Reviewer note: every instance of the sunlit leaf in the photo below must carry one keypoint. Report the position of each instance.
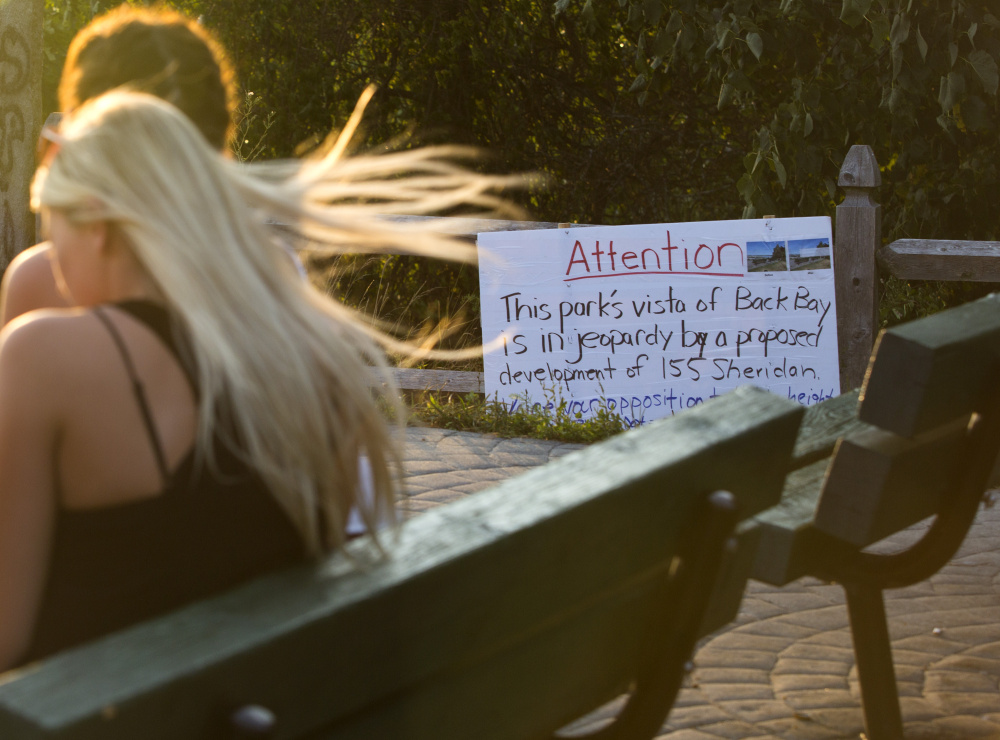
(724, 35)
(880, 30)
(921, 45)
(740, 81)
(675, 22)
(986, 68)
(900, 30)
(779, 170)
(653, 10)
(756, 44)
(725, 95)
(663, 43)
(746, 187)
(895, 99)
(975, 114)
(853, 11)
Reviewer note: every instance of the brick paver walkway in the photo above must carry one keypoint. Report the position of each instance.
(785, 669)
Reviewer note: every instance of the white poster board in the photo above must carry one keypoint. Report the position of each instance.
(648, 320)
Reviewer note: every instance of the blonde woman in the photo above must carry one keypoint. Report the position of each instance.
(197, 417)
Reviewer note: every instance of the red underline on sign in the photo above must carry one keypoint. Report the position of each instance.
(655, 272)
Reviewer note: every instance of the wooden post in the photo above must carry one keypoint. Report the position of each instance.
(20, 120)
(857, 235)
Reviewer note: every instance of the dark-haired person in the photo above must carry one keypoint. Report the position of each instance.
(155, 50)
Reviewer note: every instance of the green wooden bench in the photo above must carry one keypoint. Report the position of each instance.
(505, 615)
(920, 440)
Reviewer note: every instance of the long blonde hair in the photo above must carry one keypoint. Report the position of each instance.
(285, 374)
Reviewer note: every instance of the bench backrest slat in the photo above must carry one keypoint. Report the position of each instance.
(500, 599)
(880, 482)
(904, 453)
(867, 468)
(932, 371)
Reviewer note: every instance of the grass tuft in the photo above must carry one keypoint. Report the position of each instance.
(475, 413)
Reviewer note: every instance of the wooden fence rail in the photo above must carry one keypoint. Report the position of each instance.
(937, 259)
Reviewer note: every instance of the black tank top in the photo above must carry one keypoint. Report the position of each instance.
(206, 532)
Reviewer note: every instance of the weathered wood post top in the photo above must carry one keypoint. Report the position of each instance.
(857, 235)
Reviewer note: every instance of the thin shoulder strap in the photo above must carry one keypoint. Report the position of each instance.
(140, 393)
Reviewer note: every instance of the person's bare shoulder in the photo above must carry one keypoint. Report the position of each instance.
(29, 284)
(53, 350)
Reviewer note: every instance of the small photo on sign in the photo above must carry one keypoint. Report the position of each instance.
(766, 257)
(809, 254)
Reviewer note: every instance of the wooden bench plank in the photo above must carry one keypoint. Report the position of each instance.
(565, 547)
(932, 371)
(880, 483)
(822, 425)
(787, 529)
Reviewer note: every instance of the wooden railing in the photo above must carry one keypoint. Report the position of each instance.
(938, 259)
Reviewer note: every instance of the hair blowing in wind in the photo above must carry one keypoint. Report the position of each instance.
(283, 372)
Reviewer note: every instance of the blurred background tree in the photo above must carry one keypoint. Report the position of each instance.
(917, 81)
(535, 90)
(637, 110)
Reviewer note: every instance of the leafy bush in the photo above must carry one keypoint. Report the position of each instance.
(806, 79)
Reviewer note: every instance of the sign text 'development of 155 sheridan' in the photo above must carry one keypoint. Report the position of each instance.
(648, 320)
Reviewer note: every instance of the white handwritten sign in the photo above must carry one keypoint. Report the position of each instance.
(648, 320)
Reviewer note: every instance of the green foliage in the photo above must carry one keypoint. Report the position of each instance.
(61, 19)
(537, 91)
(473, 413)
(903, 301)
(428, 301)
(807, 79)
(642, 110)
